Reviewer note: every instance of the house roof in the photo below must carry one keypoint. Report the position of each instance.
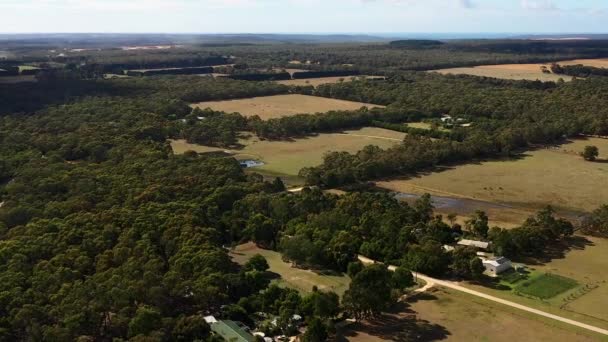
(496, 261)
(474, 243)
(230, 331)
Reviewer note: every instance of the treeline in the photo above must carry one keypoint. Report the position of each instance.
(329, 73)
(578, 70)
(508, 116)
(531, 238)
(171, 71)
(415, 43)
(266, 76)
(305, 124)
(432, 133)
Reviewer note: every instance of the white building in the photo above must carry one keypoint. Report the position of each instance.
(474, 243)
(496, 266)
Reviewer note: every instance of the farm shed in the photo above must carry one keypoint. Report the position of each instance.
(230, 331)
(496, 266)
(474, 243)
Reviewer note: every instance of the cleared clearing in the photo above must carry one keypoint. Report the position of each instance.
(289, 157)
(296, 278)
(530, 72)
(325, 80)
(445, 314)
(557, 176)
(269, 107)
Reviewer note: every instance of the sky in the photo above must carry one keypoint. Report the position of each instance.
(304, 16)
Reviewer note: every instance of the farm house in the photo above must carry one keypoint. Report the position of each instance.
(496, 266)
(474, 243)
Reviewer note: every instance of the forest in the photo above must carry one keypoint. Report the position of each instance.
(107, 235)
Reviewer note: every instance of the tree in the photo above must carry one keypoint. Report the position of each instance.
(369, 292)
(595, 224)
(190, 328)
(321, 304)
(354, 267)
(257, 263)
(478, 224)
(263, 230)
(477, 268)
(452, 218)
(402, 278)
(146, 320)
(316, 331)
(590, 153)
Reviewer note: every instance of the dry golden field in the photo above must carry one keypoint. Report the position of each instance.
(557, 176)
(289, 157)
(507, 71)
(268, 107)
(448, 315)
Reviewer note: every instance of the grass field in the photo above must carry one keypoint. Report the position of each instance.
(289, 157)
(598, 63)
(556, 176)
(268, 107)
(299, 279)
(323, 80)
(445, 314)
(545, 285)
(507, 71)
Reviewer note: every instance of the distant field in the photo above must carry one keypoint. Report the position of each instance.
(299, 279)
(507, 71)
(556, 176)
(268, 107)
(598, 63)
(323, 80)
(289, 157)
(448, 315)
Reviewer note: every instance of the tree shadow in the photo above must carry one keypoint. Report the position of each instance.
(399, 324)
(558, 250)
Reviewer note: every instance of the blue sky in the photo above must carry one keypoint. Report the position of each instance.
(304, 16)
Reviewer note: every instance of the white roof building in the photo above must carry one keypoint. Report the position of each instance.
(210, 319)
(474, 243)
(496, 266)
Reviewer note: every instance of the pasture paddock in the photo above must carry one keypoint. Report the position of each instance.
(288, 157)
(269, 107)
(449, 315)
(530, 72)
(296, 278)
(555, 176)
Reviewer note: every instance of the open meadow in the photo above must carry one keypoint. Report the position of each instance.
(288, 157)
(296, 278)
(268, 107)
(530, 72)
(445, 314)
(555, 176)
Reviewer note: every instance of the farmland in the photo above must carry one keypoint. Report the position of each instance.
(445, 314)
(324, 80)
(268, 107)
(299, 279)
(530, 72)
(289, 157)
(597, 63)
(555, 176)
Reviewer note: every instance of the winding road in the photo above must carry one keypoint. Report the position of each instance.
(456, 286)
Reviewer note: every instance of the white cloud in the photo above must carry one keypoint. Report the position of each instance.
(539, 5)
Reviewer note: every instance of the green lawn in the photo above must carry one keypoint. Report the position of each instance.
(545, 286)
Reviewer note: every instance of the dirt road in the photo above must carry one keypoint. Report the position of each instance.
(456, 286)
